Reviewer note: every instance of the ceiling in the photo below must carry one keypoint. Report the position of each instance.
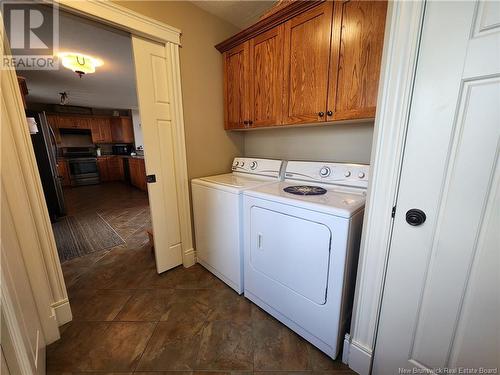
(111, 86)
(241, 13)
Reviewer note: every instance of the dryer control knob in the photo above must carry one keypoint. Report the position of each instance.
(253, 165)
(242, 164)
(361, 175)
(347, 173)
(236, 163)
(325, 172)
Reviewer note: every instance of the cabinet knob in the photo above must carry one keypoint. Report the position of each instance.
(321, 114)
(329, 113)
(245, 122)
(250, 122)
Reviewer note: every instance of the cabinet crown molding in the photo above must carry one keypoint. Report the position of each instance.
(273, 20)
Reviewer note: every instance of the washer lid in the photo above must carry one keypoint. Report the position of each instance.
(338, 200)
(234, 181)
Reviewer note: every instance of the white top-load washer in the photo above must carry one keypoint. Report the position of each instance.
(301, 245)
(217, 215)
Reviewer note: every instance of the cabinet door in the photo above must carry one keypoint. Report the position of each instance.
(236, 87)
(357, 42)
(105, 128)
(127, 130)
(102, 165)
(95, 131)
(266, 78)
(307, 55)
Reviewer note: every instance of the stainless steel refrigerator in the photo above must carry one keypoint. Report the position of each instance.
(45, 147)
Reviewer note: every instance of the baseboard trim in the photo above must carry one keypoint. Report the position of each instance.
(62, 311)
(357, 357)
(189, 258)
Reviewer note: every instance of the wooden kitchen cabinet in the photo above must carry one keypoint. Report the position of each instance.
(101, 130)
(138, 173)
(236, 86)
(115, 168)
(122, 130)
(110, 168)
(266, 69)
(356, 56)
(102, 166)
(307, 55)
(63, 172)
(321, 58)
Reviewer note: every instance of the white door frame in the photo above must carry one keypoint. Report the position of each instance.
(401, 45)
(44, 269)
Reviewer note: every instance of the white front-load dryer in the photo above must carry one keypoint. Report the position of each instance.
(301, 243)
(217, 204)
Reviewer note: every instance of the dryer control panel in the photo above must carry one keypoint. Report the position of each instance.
(263, 167)
(344, 174)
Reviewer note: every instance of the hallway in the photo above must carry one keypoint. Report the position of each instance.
(128, 319)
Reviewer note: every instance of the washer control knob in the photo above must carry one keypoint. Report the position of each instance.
(347, 173)
(361, 175)
(242, 164)
(253, 165)
(325, 172)
(236, 163)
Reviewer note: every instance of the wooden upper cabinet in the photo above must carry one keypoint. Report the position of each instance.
(357, 41)
(266, 82)
(236, 87)
(307, 55)
(122, 130)
(322, 58)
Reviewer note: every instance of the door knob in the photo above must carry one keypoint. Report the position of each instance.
(321, 114)
(415, 217)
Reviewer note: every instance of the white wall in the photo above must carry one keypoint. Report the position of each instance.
(136, 120)
(331, 142)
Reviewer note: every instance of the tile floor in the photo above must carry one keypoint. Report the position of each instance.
(127, 319)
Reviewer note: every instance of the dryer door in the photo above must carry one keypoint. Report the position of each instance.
(293, 251)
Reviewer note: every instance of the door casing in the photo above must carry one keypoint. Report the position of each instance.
(51, 292)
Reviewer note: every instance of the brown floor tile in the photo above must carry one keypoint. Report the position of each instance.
(146, 305)
(99, 305)
(226, 304)
(173, 346)
(188, 305)
(72, 349)
(226, 345)
(319, 361)
(277, 348)
(169, 324)
(120, 348)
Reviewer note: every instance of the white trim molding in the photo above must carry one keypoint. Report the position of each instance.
(21, 184)
(402, 36)
(123, 18)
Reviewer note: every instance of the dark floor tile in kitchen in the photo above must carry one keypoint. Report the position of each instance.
(99, 305)
(277, 348)
(226, 345)
(146, 305)
(173, 346)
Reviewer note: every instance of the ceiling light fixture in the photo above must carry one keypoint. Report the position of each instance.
(79, 63)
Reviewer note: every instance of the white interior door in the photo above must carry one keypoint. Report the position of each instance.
(441, 302)
(154, 80)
